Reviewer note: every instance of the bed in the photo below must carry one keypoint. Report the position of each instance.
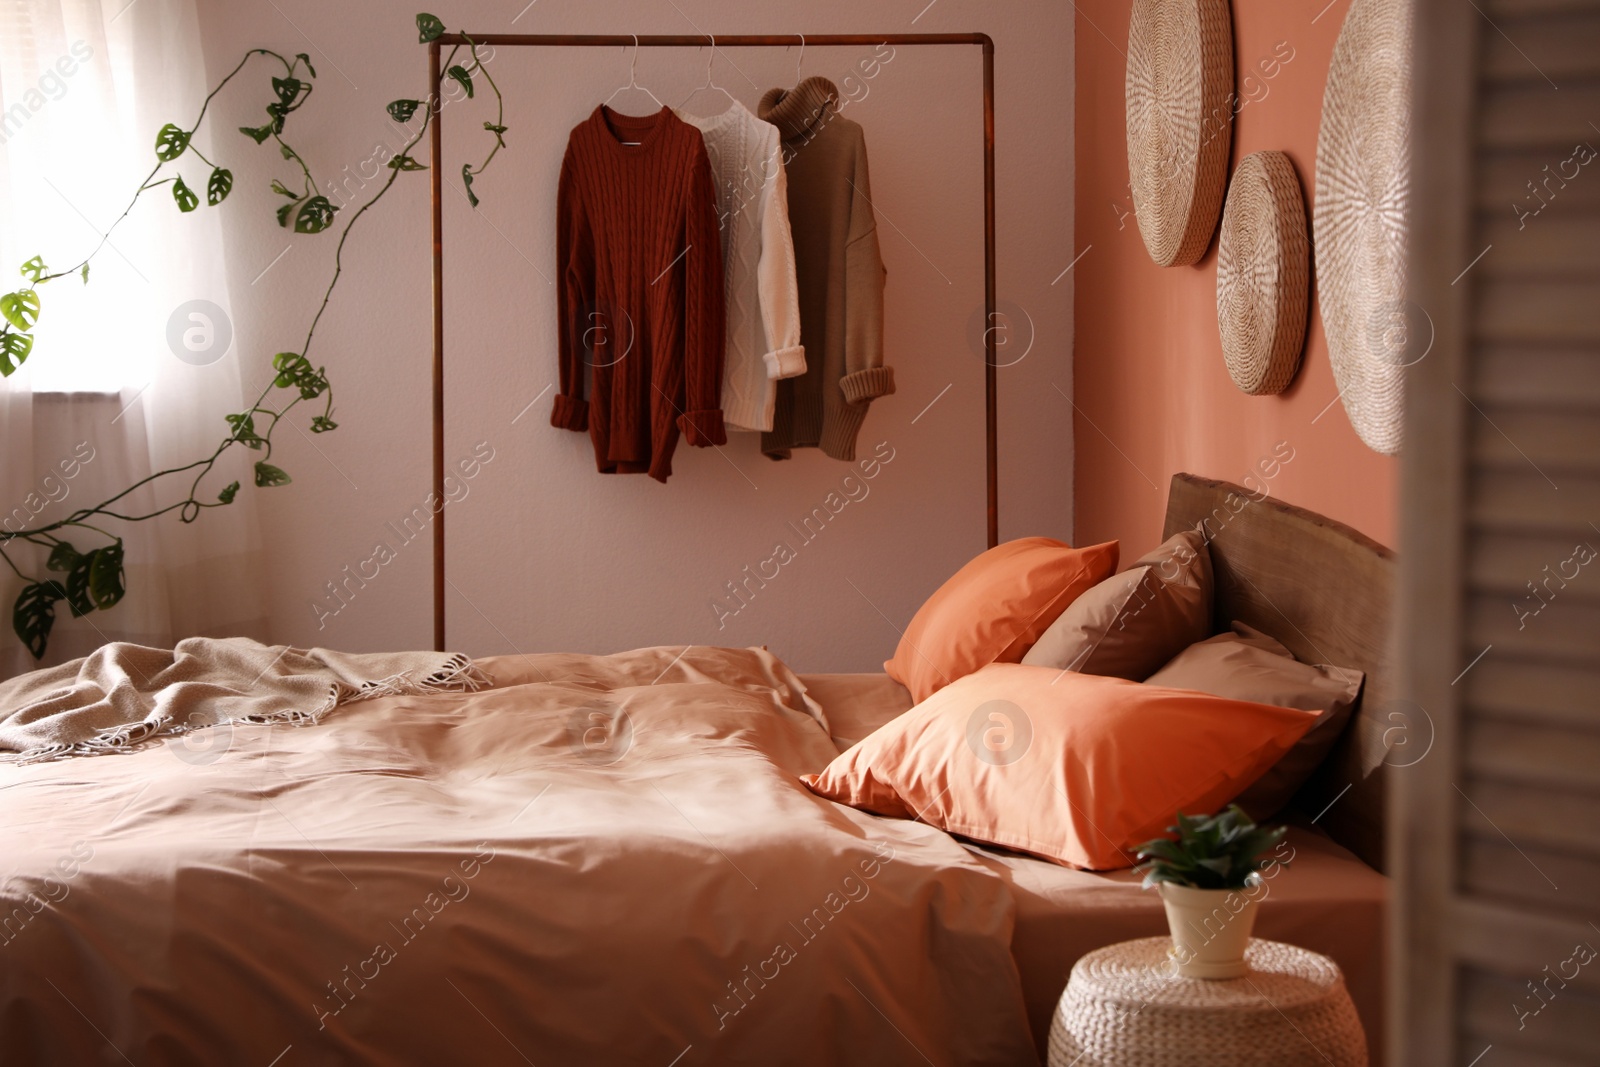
(612, 858)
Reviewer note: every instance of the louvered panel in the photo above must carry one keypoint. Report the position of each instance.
(1561, 629)
(1531, 692)
(1562, 1032)
(1558, 240)
(1512, 476)
(1506, 563)
(1536, 310)
(1492, 868)
(1556, 45)
(1559, 182)
(1554, 441)
(1521, 500)
(1532, 115)
(1556, 819)
(1544, 756)
(1551, 378)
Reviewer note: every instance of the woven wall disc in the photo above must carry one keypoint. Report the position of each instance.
(1361, 213)
(1180, 123)
(1263, 274)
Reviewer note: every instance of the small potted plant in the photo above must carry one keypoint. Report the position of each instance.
(1209, 880)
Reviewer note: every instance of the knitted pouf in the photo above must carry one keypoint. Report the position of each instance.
(1126, 1006)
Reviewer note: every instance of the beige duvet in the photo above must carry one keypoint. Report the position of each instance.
(600, 860)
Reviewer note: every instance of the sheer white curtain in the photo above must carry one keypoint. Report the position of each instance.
(129, 373)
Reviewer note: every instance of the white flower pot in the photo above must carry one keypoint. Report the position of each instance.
(1210, 929)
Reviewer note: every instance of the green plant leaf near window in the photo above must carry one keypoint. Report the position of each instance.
(268, 476)
(184, 196)
(287, 89)
(314, 216)
(219, 186)
(21, 308)
(33, 615)
(429, 28)
(94, 578)
(171, 142)
(14, 348)
(402, 110)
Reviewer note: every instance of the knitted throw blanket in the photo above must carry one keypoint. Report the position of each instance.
(125, 696)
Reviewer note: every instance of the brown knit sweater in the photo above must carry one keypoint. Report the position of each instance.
(840, 272)
(641, 291)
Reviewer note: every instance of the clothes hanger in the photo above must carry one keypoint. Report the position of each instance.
(709, 83)
(799, 59)
(633, 83)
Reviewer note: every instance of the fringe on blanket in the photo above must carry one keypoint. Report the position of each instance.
(458, 675)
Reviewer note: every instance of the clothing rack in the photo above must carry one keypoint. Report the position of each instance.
(512, 40)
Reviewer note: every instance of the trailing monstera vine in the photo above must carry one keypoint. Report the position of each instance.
(88, 575)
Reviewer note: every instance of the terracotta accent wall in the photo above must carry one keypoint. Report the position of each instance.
(1152, 394)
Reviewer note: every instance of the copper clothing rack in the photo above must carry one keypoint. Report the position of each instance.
(698, 41)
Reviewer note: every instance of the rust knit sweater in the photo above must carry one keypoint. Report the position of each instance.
(640, 292)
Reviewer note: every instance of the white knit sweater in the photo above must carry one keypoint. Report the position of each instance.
(763, 297)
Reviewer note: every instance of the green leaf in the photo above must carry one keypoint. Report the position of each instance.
(492, 128)
(285, 151)
(459, 73)
(284, 212)
(302, 57)
(402, 110)
(171, 142)
(78, 598)
(20, 308)
(258, 134)
(429, 28)
(403, 162)
(466, 178)
(287, 89)
(278, 112)
(289, 366)
(85, 272)
(314, 216)
(244, 430)
(323, 424)
(106, 579)
(34, 614)
(184, 196)
(268, 476)
(283, 190)
(63, 557)
(229, 491)
(220, 185)
(14, 349)
(35, 269)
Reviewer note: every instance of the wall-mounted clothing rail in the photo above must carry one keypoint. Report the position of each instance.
(982, 40)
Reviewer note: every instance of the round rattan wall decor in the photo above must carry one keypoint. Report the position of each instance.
(1361, 213)
(1263, 274)
(1180, 123)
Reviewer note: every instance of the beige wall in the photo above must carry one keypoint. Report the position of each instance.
(544, 552)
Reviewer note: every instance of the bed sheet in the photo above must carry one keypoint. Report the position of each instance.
(1326, 899)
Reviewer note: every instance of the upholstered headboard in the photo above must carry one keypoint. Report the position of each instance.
(1326, 591)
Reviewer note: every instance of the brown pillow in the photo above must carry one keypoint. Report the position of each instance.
(1246, 664)
(1133, 622)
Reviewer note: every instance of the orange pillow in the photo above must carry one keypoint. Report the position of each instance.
(1077, 768)
(994, 609)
